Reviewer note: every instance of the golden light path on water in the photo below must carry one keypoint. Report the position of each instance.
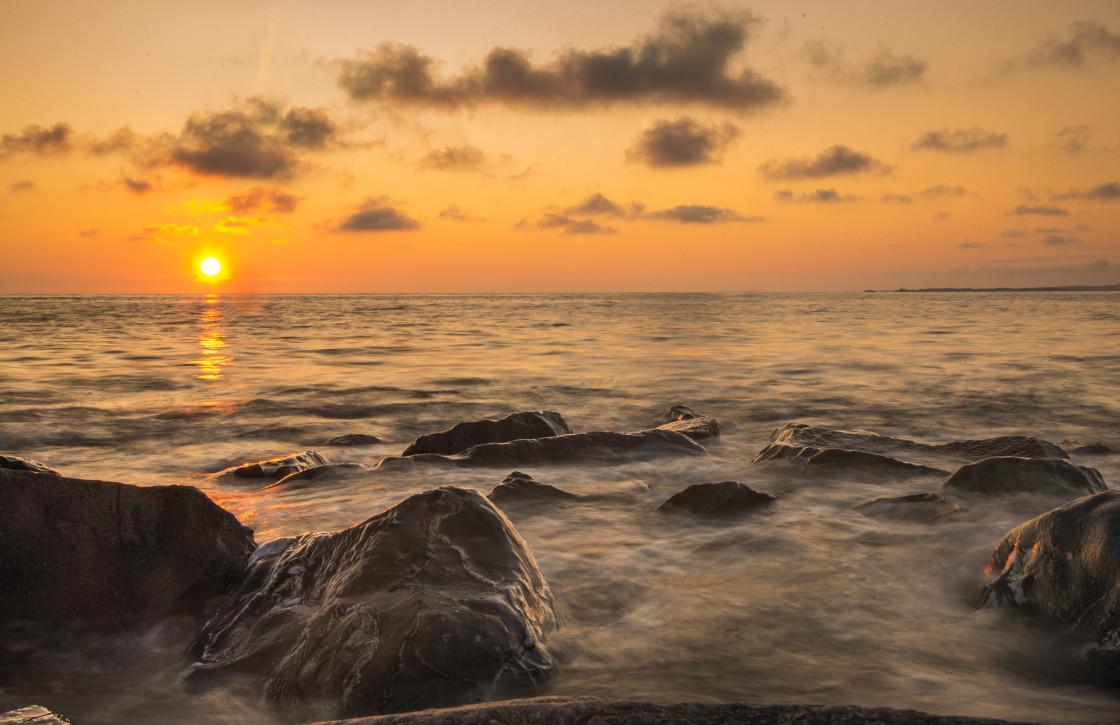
(212, 341)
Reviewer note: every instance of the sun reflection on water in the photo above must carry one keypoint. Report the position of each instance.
(212, 341)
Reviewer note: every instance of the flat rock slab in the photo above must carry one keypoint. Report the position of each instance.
(272, 469)
(109, 553)
(593, 711)
(727, 499)
(1010, 474)
(850, 461)
(15, 463)
(32, 715)
(923, 508)
(521, 488)
(434, 602)
(529, 424)
(317, 475)
(682, 419)
(354, 439)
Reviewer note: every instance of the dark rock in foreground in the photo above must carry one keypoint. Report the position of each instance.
(923, 508)
(15, 463)
(274, 468)
(435, 602)
(849, 461)
(536, 424)
(1065, 565)
(1009, 474)
(354, 439)
(716, 500)
(599, 446)
(110, 553)
(593, 711)
(520, 487)
(682, 419)
(32, 715)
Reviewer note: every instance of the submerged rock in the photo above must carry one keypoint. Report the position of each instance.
(1010, 474)
(15, 463)
(536, 424)
(592, 710)
(520, 487)
(849, 461)
(434, 602)
(109, 553)
(1065, 565)
(321, 474)
(274, 468)
(354, 439)
(682, 419)
(923, 508)
(599, 446)
(1095, 449)
(716, 500)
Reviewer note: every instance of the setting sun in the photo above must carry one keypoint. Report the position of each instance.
(211, 266)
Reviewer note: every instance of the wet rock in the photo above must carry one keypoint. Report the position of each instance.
(536, 424)
(354, 439)
(599, 446)
(318, 474)
(1065, 565)
(571, 710)
(15, 463)
(716, 500)
(32, 715)
(518, 488)
(849, 461)
(1096, 449)
(108, 553)
(682, 419)
(1010, 474)
(923, 508)
(434, 602)
(274, 468)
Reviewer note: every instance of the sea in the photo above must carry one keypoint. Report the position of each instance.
(807, 602)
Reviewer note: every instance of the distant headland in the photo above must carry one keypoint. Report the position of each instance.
(1067, 288)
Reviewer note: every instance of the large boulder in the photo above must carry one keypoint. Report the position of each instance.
(272, 469)
(1011, 474)
(726, 499)
(1065, 565)
(521, 488)
(15, 463)
(535, 424)
(842, 459)
(682, 419)
(434, 602)
(109, 553)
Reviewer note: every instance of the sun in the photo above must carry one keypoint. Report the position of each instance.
(211, 266)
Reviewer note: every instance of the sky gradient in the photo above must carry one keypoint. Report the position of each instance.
(506, 146)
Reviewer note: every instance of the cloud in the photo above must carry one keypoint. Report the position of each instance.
(454, 158)
(155, 232)
(690, 58)
(820, 196)
(1058, 240)
(1073, 139)
(597, 204)
(261, 199)
(942, 191)
(307, 128)
(240, 225)
(882, 70)
(973, 245)
(123, 139)
(375, 215)
(1039, 209)
(699, 214)
(683, 142)
(1103, 192)
(959, 140)
(1013, 233)
(455, 214)
(830, 162)
(20, 187)
(38, 141)
(574, 226)
(1085, 39)
(892, 198)
(137, 186)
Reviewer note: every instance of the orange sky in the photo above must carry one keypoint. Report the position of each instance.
(589, 146)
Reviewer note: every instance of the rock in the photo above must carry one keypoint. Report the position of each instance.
(1010, 474)
(682, 419)
(799, 434)
(1065, 565)
(856, 462)
(110, 553)
(520, 487)
(321, 474)
(599, 446)
(274, 468)
(15, 463)
(594, 711)
(538, 424)
(716, 500)
(923, 508)
(434, 602)
(354, 439)
(1096, 449)
(32, 715)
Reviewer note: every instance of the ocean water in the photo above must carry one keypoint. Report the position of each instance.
(808, 602)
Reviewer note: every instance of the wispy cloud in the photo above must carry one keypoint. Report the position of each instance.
(1038, 209)
(1074, 139)
(884, 69)
(376, 215)
(454, 158)
(573, 226)
(1103, 192)
(699, 214)
(38, 141)
(959, 140)
(597, 204)
(683, 142)
(1082, 42)
(261, 199)
(833, 161)
(455, 214)
(820, 196)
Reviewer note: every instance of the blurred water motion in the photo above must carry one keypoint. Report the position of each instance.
(212, 341)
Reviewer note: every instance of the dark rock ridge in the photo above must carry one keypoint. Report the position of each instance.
(109, 553)
(716, 500)
(15, 463)
(591, 710)
(799, 434)
(536, 424)
(682, 419)
(598, 446)
(434, 602)
(520, 487)
(274, 468)
(354, 439)
(1065, 565)
(923, 508)
(862, 462)
(1010, 474)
